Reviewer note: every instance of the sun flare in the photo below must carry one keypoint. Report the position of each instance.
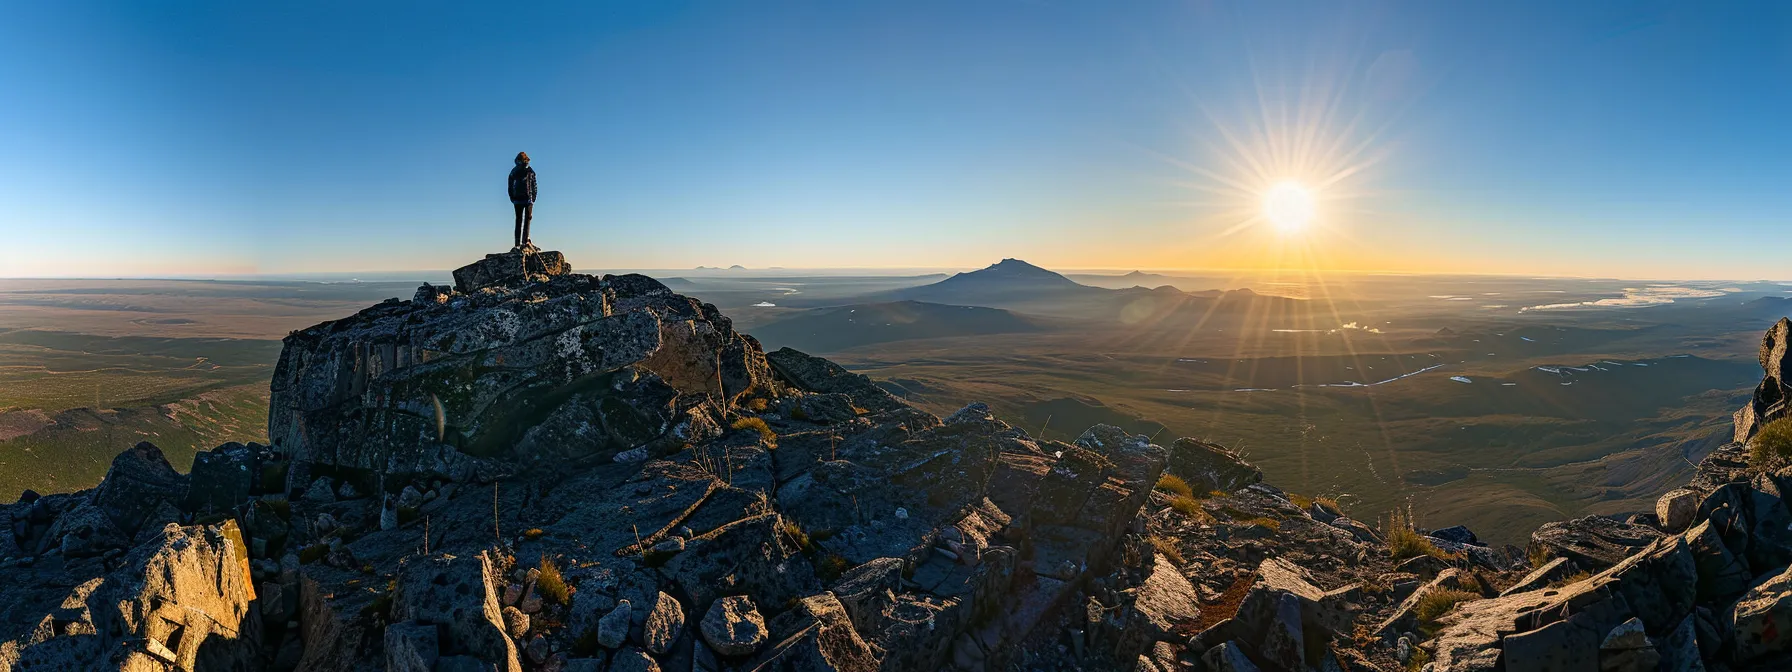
(1288, 206)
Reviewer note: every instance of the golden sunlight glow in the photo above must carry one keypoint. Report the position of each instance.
(1288, 206)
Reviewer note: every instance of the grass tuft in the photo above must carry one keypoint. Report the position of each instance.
(533, 533)
(1404, 540)
(550, 583)
(1174, 485)
(1772, 447)
(1166, 547)
(758, 425)
(797, 535)
(831, 567)
(1191, 507)
(1433, 605)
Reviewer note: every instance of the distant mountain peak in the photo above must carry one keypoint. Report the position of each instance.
(1016, 269)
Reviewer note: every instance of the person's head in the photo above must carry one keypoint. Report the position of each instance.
(522, 158)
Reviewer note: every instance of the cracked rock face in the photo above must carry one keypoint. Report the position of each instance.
(415, 387)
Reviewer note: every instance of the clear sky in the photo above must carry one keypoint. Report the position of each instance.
(1622, 139)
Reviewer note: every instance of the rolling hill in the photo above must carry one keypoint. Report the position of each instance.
(842, 327)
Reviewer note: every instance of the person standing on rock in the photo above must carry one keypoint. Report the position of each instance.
(522, 196)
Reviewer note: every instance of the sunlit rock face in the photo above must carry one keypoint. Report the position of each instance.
(435, 384)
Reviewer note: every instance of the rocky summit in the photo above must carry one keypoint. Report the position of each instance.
(536, 469)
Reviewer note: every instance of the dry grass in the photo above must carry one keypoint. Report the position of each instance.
(757, 405)
(1174, 485)
(533, 533)
(1404, 540)
(1191, 507)
(758, 425)
(1166, 547)
(1418, 660)
(1301, 502)
(1772, 446)
(797, 535)
(831, 567)
(1538, 555)
(550, 583)
(1433, 605)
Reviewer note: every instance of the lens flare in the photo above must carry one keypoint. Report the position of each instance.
(1288, 206)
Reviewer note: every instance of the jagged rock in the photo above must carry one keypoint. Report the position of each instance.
(390, 368)
(1210, 466)
(1405, 616)
(1627, 649)
(665, 622)
(1771, 395)
(733, 626)
(139, 481)
(509, 268)
(822, 640)
(1282, 606)
(459, 594)
(1555, 569)
(1759, 619)
(538, 650)
(1228, 657)
(1456, 535)
(516, 623)
(815, 374)
(1564, 627)
(1675, 510)
(320, 492)
(612, 629)
(411, 647)
(184, 599)
(222, 477)
(83, 531)
(1166, 602)
(865, 591)
(1593, 542)
(633, 660)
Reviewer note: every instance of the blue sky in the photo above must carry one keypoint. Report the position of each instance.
(1583, 138)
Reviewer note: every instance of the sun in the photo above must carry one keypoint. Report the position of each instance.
(1288, 206)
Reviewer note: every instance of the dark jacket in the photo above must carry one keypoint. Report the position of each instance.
(522, 184)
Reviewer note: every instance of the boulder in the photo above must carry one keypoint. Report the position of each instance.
(733, 626)
(665, 622)
(1770, 398)
(612, 629)
(1457, 535)
(1627, 648)
(448, 390)
(222, 477)
(1284, 608)
(459, 594)
(1760, 619)
(633, 660)
(1555, 569)
(411, 647)
(1209, 466)
(1675, 510)
(183, 600)
(1594, 542)
(139, 482)
(510, 268)
(815, 374)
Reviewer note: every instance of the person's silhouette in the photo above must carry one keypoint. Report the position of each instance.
(522, 197)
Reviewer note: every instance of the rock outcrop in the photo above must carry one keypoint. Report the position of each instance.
(542, 470)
